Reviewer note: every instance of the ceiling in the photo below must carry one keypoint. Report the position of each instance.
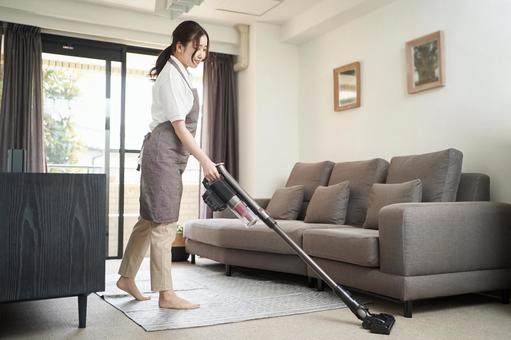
(220, 11)
(147, 22)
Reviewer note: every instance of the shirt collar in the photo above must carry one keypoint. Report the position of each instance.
(182, 68)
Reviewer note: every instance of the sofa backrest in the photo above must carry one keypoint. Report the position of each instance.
(361, 175)
(473, 187)
(310, 175)
(439, 172)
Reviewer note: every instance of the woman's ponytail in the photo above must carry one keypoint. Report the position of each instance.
(162, 60)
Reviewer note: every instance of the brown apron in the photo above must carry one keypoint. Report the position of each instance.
(163, 161)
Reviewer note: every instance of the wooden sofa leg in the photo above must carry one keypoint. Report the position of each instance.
(407, 309)
(82, 310)
(193, 259)
(505, 296)
(320, 285)
(311, 282)
(227, 270)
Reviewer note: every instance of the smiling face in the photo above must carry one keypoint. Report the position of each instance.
(193, 53)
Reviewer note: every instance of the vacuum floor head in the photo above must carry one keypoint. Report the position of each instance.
(379, 323)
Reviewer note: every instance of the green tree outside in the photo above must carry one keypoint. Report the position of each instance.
(60, 138)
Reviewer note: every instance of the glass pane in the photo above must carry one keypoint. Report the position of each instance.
(74, 113)
(138, 98)
(131, 193)
(347, 87)
(114, 139)
(113, 205)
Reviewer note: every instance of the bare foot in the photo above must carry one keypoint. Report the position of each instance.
(169, 299)
(128, 285)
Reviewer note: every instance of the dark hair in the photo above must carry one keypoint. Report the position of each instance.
(184, 33)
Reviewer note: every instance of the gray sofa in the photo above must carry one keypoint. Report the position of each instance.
(454, 241)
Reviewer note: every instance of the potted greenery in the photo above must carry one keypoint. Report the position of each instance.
(178, 246)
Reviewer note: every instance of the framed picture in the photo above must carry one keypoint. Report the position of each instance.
(425, 62)
(347, 87)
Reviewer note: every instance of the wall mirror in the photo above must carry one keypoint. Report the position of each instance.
(347, 87)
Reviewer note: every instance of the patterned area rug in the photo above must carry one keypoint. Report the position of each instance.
(246, 295)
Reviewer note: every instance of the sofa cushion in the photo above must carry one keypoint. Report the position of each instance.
(310, 175)
(386, 194)
(286, 203)
(232, 233)
(329, 204)
(346, 244)
(361, 175)
(439, 172)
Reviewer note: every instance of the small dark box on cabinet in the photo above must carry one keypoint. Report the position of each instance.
(16, 160)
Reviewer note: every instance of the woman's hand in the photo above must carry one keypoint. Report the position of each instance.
(209, 170)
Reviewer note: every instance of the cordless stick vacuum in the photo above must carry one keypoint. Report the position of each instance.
(226, 192)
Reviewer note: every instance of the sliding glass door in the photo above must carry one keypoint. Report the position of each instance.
(82, 90)
(97, 109)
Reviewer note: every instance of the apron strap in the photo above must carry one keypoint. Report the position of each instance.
(181, 73)
(146, 137)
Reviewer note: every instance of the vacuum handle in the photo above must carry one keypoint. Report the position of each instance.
(381, 323)
(270, 222)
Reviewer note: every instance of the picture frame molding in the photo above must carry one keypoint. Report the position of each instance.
(336, 72)
(439, 36)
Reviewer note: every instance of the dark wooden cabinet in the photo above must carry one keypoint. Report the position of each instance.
(52, 236)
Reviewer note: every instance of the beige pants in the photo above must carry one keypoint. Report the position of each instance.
(160, 237)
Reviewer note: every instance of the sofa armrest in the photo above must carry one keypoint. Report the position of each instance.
(227, 213)
(434, 238)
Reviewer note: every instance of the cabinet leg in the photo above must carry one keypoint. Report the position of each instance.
(505, 296)
(311, 282)
(227, 270)
(407, 309)
(320, 285)
(193, 259)
(82, 310)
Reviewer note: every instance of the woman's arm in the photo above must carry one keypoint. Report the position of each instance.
(208, 167)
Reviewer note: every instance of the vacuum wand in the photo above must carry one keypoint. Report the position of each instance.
(226, 192)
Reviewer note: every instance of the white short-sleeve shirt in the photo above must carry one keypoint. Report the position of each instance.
(172, 96)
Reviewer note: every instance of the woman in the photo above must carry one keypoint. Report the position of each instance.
(175, 111)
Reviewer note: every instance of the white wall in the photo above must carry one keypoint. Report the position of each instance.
(471, 113)
(268, 106)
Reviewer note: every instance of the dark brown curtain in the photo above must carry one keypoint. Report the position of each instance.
(220, 118)
(21, 120)
(1, 61)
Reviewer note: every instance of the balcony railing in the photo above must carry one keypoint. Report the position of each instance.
(87, 169)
